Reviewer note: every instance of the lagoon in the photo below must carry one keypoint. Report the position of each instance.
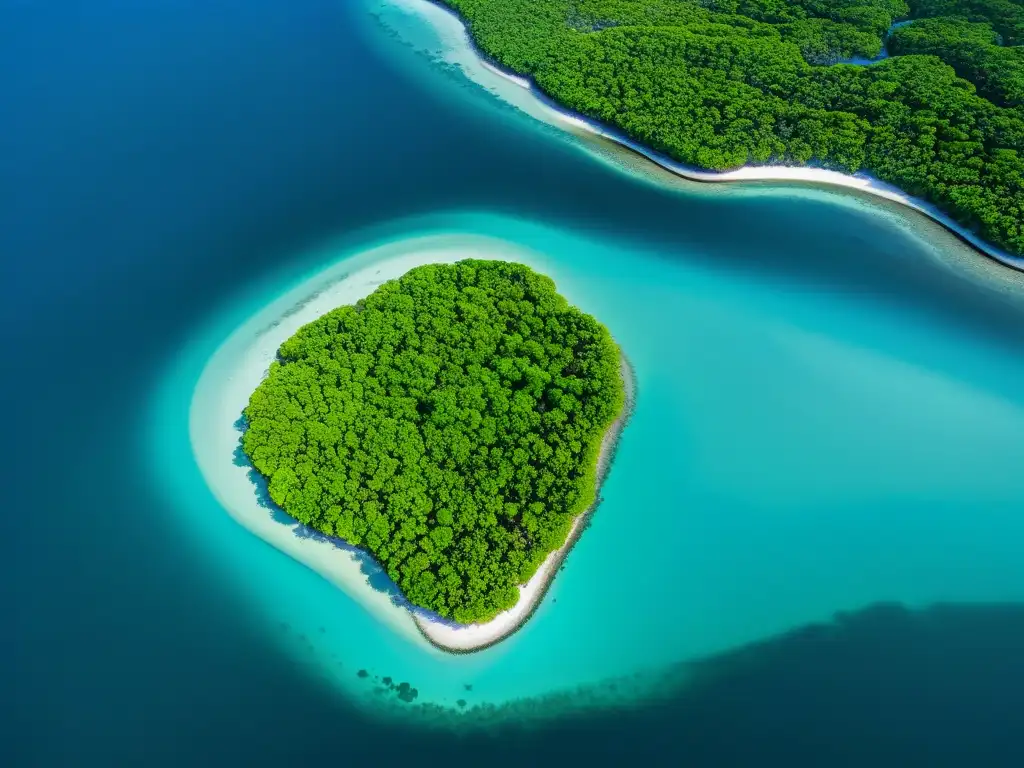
(799, 452)
(828, 416)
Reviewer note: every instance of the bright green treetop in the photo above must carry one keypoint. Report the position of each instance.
(450, 424)
(724, 83)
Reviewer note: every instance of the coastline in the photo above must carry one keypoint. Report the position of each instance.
(467, 638)
(797, 175)
(242, 361)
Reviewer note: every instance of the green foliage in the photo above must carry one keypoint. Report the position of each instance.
(723, 83)
(1005, 16)
(974, 51)
(450, 424)
(822, 41)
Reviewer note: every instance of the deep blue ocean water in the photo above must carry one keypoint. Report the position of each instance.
(820, 486)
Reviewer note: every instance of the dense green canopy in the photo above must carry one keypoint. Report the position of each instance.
(450, 424)
(723, 83)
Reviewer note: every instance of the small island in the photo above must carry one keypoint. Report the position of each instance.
(454, 424)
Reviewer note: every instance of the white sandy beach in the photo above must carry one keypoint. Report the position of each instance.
(243, 360)
(464, 53)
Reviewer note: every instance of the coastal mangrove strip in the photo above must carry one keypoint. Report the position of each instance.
(719, 84)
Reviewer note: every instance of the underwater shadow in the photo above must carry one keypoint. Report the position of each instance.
(888, 685)
(885, 686)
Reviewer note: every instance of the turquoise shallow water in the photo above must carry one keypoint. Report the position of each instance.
(796, 450)
(793, 453)
(829, 413)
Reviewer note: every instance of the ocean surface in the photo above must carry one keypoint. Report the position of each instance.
(809, 547)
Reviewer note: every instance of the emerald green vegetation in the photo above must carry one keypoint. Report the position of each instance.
(450, 423)
(724, 83)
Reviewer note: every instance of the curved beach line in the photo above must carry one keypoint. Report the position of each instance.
(462, 638)
(243, 360)
(802, 175)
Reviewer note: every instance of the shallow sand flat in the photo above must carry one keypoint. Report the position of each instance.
(462, 52)
(243, 360)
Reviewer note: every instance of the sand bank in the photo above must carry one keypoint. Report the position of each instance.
(471, 59)
(241, 363)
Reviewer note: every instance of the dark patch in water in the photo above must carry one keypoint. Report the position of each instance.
(885, 686)
(407, 693)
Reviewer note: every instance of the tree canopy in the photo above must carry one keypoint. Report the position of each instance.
(724, 83)
(450, 424)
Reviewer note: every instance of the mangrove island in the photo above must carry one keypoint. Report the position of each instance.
(450, 424)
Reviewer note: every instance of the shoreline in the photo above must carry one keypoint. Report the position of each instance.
(792, 174)
(468, 638)
(242, 361)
